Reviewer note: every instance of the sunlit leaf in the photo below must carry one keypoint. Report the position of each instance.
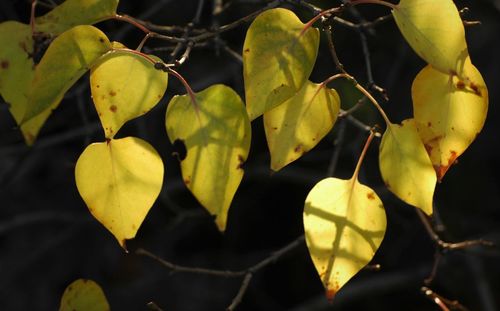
(297, 125)
(215, 131)
(75, 12)
(449, 113)
(435, 31)
(68, 57)
(16, 73)
(84, 295)
(344, 223)
(119, 180)
(405, 166)
(124, 86)
(278, 57)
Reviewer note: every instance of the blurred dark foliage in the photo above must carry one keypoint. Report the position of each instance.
(48, 238)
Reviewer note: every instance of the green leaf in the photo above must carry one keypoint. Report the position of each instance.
(215, 131)
(75, 12)
(296, 126)
(119, 180)
(278, 56)
(125, 86)
(405, 166)
(344, 223)
(84, 295)
(449, 113)
(16, 74)
(68, 57)
(435, 31)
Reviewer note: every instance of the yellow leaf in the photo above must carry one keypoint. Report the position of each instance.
(16, 74)
(344, 223)
(449, 113)
(119, 180)
(124, 86)
(75, 12)
(84, 295)
(435, 31)
(405, 166)
(68, 57)
(278, 57)
(297, 125)
(216, 133)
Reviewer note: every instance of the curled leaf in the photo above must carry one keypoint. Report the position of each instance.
(215, 131)
(435, 31)
(449, 113)
(68, 57)
(124, 86)
(278, 56)
(344, 224)
(297, 125)
(405, 166)
(119, 180)
(84, 295)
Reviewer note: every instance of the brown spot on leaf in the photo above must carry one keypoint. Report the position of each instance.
(113, 108)
(460, 85)
(298, 149)
(275, 128)
(475, 88)
(112, 93)
(97, 86)
(4, 64)
(371, 196)
(246, 50)
(429, 124)
(442, 169)
(187, 181)
(101, 40)
(241, 161)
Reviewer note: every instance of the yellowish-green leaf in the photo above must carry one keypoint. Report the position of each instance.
(449, 113)
(296, 126)
(68, 57)
(124, 86)
(215, 131)
(16, 74)
(278, 56)
(344, 224)
(84, 295)
(75, 12)
(119, 180)
(405, 166)
(435, 31)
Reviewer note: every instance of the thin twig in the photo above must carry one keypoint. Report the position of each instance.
(444, 303)
(247, 273)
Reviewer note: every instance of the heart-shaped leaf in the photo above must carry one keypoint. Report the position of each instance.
(124, 86)
(84, 295)
(344, 224)
(215, 131)
(75, 12)
(297, 125)
(119, 180)
(68, 57)
(449, 113)
(278, 56)
(405, 166)
(435, 31)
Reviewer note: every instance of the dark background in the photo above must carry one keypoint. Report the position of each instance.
(48, 238)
